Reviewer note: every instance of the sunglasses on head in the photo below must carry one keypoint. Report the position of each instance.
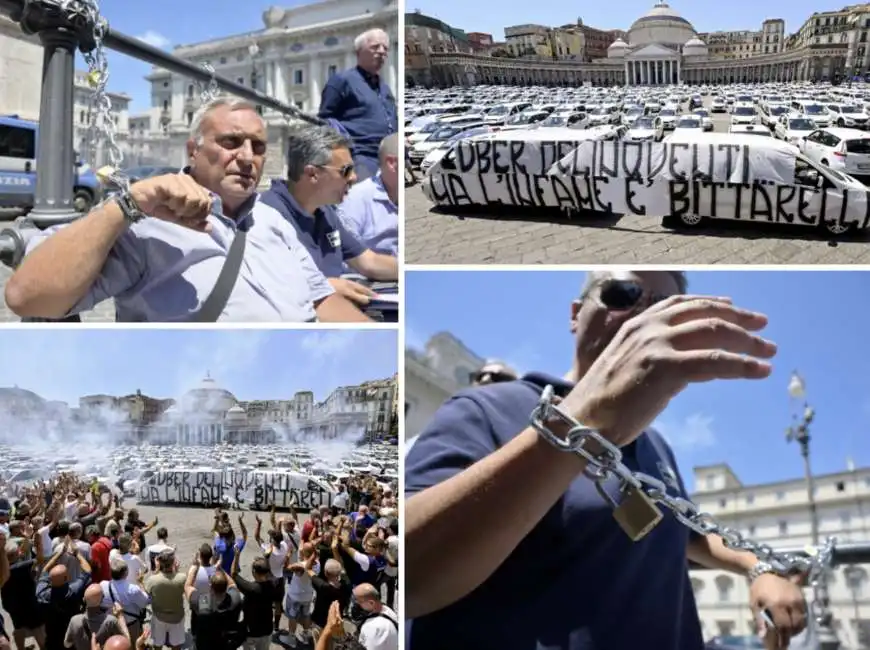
(621, 295)
(495, 376)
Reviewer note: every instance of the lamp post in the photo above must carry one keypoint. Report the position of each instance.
(799, 432)
(854, 577)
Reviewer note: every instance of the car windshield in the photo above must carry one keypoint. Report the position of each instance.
(668, 112)
(444, 133)
(555, 120)
(634, 111)
(689, 123)
(850, 109)
(643, 123)
(744, 98)
(754, 132)
(815, 109)
(497, 110)
(431, 127)
(801, 124)
(774, 98)
(778, 110)
(701, 113)
(744, 110)
(599, 111)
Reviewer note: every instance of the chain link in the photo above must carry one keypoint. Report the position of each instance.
(103, 127)
(210, 91)
(606, 462)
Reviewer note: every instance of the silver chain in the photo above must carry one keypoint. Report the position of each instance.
(210, 91)
(103, 126)
(607, 463)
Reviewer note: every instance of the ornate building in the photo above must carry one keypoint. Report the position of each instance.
(663, 48)
(290, 59)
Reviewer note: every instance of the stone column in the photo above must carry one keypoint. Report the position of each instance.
(679, 75)
(350, 60)
(269, 73)
(314, 69)
(280, 87)
(179, 95)
(627, 80)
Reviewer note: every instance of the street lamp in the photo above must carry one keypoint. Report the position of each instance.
(799, 432)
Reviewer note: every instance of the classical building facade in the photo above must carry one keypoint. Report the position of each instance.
(432, 375)
(662, 48)
(290, 59)
(778, 514)
(770, 513)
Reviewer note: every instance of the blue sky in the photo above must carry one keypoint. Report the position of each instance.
(818, 320)
(251, 364)
(492, 17)
(166, 24)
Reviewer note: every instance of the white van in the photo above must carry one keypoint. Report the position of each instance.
(508, 167)
(715, 176)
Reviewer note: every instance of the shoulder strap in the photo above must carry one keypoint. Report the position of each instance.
(214, 305)
(389, 618)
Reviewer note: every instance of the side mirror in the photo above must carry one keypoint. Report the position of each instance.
(447, 163)
(810, 177)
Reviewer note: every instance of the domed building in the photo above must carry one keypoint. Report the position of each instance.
(661, 48)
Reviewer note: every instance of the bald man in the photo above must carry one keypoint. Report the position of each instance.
(118, 642)
(380, 627)
(59, 598)
(94, 619)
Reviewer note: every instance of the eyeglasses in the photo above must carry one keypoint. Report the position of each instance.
(346, 171)
(622, 295)
(490, 376)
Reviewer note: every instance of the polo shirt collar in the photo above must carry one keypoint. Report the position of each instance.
(368, 77)
(280, 188)
(380, 193)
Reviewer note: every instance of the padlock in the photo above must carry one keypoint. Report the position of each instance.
(636, 514)
(94, 78)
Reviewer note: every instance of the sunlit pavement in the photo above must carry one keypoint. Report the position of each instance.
(517, 238)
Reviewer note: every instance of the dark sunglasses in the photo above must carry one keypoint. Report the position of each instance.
(345, 170)
(621, 295)
(495, 377)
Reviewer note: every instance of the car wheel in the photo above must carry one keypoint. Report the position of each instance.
(835, 228)
(825, 162)
(841, 123)
(691, 220)
(83, 200)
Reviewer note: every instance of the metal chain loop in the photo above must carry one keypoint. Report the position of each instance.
(210, 91)
(103, 126)
(608, 462)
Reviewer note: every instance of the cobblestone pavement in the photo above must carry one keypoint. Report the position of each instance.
(189, 528)
(103, 313)
(433, 236)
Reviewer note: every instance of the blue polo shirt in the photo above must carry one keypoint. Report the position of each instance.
(365, 106)
(576, 582)
(328, 242)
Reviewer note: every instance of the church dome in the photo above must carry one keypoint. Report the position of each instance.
(617, 49)
(694, 46)
(236, 414)
(662, 25)
(208, 398)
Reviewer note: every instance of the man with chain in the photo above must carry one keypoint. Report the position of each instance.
(545, 560)
(162, 247)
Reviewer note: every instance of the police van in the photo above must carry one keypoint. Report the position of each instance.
(18, 147)
(699, 176)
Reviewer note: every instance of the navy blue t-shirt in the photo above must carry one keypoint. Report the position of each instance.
(328, 242)
(576, 582)
(364, 105)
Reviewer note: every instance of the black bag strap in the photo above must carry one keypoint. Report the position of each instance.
(214, 305)
(383, 615)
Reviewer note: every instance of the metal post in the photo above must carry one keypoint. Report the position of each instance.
(53, 201)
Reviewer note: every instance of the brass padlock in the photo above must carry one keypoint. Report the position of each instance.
(94, 78)
(636, 514)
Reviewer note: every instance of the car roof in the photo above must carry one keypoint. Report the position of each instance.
(847, 134)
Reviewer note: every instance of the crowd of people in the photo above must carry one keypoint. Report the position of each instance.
(205, 245)
(78, 572)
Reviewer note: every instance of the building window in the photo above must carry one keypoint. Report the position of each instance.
(841, 486)
(189, 118)
(750, 530)
(297, 77)
(190, 91)
(240, 81)
(166, 84)
(783, 528)
(711, 483)
(165, 104)
(724, 591)
(780, 496)
(723, 503)
(332, 70)
(750, 499)
(82, 116)
(223, 60)
(846, 518)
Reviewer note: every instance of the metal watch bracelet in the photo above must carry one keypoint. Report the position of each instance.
(760, 569)
(128, 206)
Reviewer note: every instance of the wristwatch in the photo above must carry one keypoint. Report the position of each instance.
(129, 207)
(760, 569)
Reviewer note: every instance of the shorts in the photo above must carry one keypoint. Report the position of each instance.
(25, 618)
(279, 589)
(167, 633)
(296, 611)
